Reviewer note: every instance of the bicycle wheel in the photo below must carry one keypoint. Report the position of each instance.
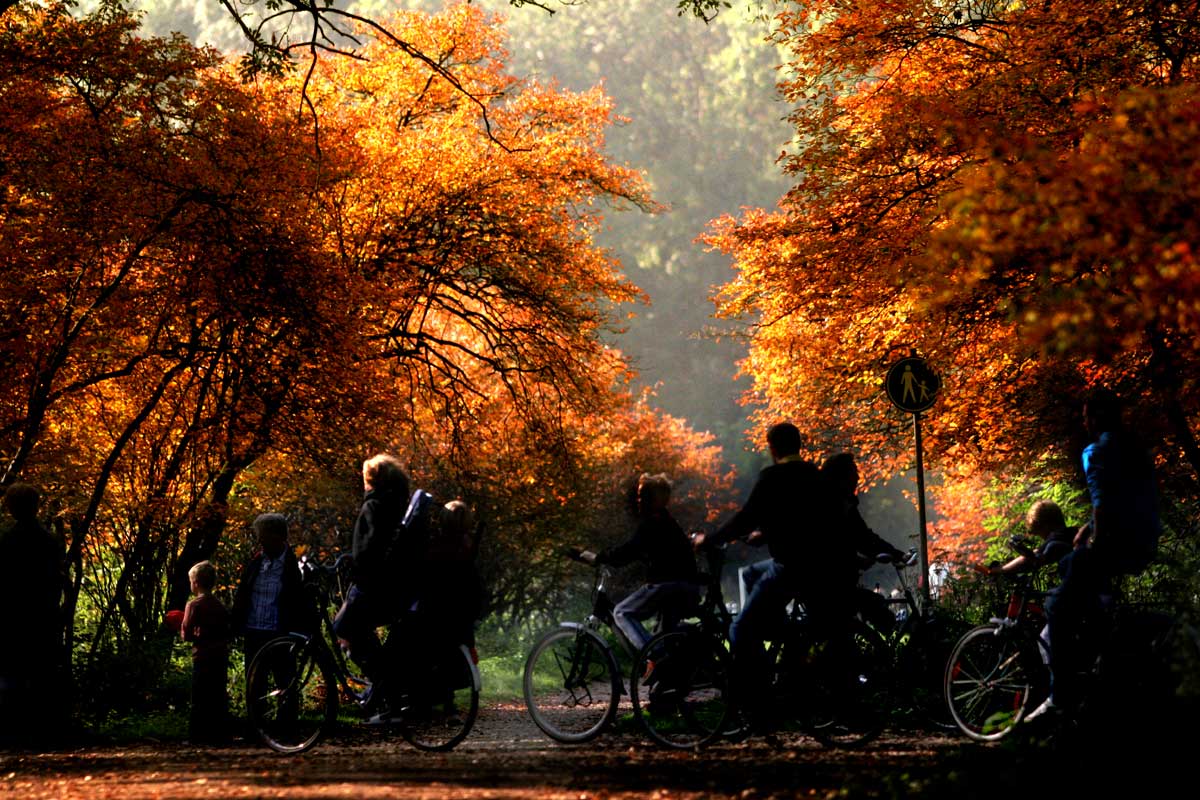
(680, 688)
(989, 681)
(291, 696)
(852, 693)
(571, 684)
(443, 711)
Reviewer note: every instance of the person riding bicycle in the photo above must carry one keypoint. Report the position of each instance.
(671, 587)
(446, 600)
(451, 597)
(840, 474)
(1121, 539)
(796, 514)
(1045, 520)
(372, 599)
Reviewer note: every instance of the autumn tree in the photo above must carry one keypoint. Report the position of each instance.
(1006, 189)
(486, 298)
(196, 289)
(151, 320)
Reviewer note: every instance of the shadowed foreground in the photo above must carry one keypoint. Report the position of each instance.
(506, 757)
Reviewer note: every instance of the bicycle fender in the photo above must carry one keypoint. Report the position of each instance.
(476, 680)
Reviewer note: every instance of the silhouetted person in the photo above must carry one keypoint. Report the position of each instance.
(385, 572)
(451, 597)
(840, 474)
(31, 584)
(795, 513)
(671, 587)
(206, 627)
(1121, 539)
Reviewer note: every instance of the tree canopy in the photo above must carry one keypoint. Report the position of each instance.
(208, 316)
(1005, 188)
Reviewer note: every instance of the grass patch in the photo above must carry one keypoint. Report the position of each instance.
(502, 677)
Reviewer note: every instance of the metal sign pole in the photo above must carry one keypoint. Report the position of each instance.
(924, 533)
(913, 387)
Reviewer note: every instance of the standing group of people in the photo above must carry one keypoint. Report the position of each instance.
(269, 601)
(415, 577)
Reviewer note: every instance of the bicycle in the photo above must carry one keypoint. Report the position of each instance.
(296, 682)
(679, 682)
(572, 683)
(1000, 669)
(920, 639)
(832, 685)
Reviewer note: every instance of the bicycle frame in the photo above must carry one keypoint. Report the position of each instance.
(601, 615)
(318, 577)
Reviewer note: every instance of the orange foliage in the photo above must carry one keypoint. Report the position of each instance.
(203, 281)
(1007, 189)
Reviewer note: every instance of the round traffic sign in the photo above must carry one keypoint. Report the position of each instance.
(911, 385)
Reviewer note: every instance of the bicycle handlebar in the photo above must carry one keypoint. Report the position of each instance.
(332, 568)
(910, 559)
(1020, 546)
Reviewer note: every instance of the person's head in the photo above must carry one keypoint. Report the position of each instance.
(1101, 411)
(840, 471)
(203, 577)
(783, 439)
(272, 533)
(384, 473)
(654, 492)
(22, 501)
(1044, 518)
(456, 524)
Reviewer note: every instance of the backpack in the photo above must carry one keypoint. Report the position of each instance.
(405, 559)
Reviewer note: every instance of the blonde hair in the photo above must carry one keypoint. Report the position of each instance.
(203, 574)
(1045, 514)
(383, 471)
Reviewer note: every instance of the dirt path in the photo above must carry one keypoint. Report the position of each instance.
(505, 758)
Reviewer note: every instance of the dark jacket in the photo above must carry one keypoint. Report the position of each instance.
(1057, 545)
(31, 584)
(795, 512)
(1121, 482)
(31, 577)
(295, 608)
(452, 598)
(865, 541)
(662, 544)
(375, 532)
